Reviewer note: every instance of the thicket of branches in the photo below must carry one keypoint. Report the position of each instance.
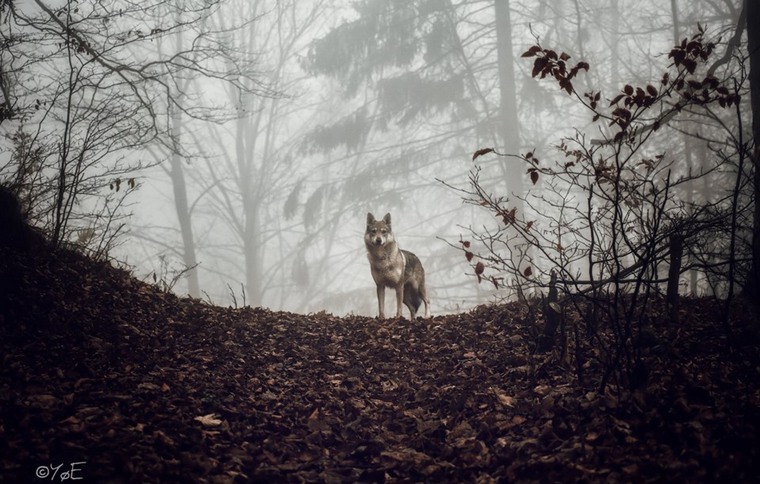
(618, 220)
(85, 89)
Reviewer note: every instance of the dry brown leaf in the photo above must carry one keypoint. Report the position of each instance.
(209, 420)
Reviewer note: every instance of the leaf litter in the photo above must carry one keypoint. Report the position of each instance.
(144, 386)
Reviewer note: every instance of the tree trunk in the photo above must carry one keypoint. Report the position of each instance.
(246, 133)
(752, 288)
(688, 147)
(509, 124)
(177, 175)
(552, 316)
(615, 54)
(674, 272)
(179, 187)
(252, 255)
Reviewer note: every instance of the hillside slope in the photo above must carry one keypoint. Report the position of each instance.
(116, 381)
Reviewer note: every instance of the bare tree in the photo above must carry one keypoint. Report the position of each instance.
(248, 163)
(87, 78)
(753, 46)
(612, 218)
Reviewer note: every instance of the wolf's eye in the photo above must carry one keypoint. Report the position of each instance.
(384, 231)
(374, 231)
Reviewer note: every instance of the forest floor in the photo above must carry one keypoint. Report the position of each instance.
(107, 378)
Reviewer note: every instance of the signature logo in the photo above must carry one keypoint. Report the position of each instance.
(63, 472)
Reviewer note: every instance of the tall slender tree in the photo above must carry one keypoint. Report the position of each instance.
(753, 45)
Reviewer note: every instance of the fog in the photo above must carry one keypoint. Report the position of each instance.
(263, 132)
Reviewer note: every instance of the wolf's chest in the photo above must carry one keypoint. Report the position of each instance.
(388, 271)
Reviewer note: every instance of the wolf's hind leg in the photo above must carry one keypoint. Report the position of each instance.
(423, 295)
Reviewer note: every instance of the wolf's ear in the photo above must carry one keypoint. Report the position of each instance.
(387, 218)
(370, 218)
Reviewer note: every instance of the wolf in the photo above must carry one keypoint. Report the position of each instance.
(395, 268)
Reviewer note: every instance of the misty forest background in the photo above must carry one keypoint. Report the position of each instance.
(231, 149)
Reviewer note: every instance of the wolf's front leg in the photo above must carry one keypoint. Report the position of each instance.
(399, 300)
(381, 301)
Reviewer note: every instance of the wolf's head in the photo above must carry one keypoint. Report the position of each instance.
(378, 232)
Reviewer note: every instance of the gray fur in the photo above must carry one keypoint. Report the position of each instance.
(394, 268)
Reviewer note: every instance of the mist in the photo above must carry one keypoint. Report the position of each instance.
(242, 143)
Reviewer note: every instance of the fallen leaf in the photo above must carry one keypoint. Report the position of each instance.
(210, 420)
(503, 398)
